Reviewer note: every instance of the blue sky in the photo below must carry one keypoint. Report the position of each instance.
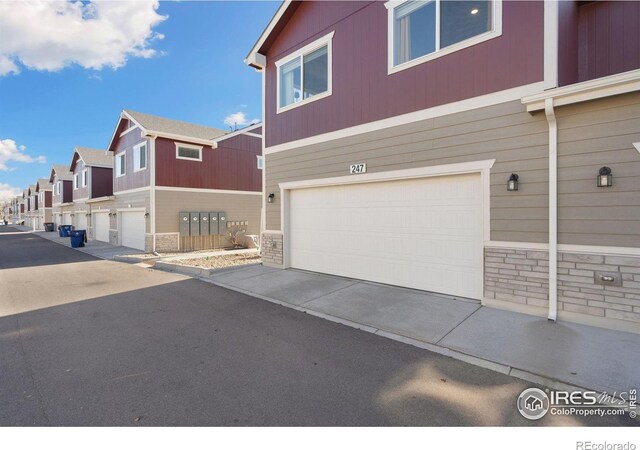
(196, 74)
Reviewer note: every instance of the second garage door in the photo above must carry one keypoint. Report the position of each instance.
(101, 226)
(66, 219)
(421, 233)
(132, 229)
(81, 220)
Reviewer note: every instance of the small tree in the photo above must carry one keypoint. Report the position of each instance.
(235, 235)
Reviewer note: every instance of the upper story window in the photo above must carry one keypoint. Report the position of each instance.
(120, 164)
(305, 75)
(59, 187)
(260, 159)
(190, 152)
(76, 178)
(84, 178)
(140, 157)
(420, 31)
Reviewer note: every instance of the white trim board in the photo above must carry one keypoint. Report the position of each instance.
(551, 18)
(131, 191)
(587, 90)
(245, 130)
(206, 191)
(416, 116)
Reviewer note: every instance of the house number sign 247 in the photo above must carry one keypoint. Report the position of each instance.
(357, 168)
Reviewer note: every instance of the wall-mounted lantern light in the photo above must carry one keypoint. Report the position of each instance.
(512, 183)
(605, 178)
(271, 197)
(146, 215)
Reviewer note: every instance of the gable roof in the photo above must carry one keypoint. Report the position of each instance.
(92, 157)
(169, 128)
(248, 130)
(32, 189)
(255, 57)
(43, 184)
(61, 171)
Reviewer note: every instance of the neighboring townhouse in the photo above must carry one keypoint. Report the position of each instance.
(17, 209)
(61, 180)
(92, 186)
(166, 167)
(44, 195)
(32, 207)
(25, 209)
(453, 146)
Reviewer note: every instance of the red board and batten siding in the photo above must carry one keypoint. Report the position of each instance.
(363, 91)
(101, 182)
(231, 166)
(47, 199)
(609, 38)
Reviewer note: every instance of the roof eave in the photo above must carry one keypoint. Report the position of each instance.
(253, 57)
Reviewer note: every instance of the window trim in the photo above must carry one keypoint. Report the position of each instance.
(309, 48)
(137, 158)
(84, 180)
(491, 34)
(123, 164)
(192, 147)
(76, 179)
(260, 162)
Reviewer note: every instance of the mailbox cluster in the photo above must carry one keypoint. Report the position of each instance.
(202, 223)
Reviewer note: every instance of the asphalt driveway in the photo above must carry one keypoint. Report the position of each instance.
(92, 342)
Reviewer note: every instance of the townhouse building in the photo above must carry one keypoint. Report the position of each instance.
(482, 149)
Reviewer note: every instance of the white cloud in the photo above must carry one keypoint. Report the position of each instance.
(238, 119)
(10, 151)
(8, 192)
(51, 35)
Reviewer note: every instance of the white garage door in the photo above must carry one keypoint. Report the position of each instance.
(81, 220)
(101, 226)
(66, 219)
(133, 229)
(421, 233)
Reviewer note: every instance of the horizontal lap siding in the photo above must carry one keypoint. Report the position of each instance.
(506, 132)
(592, 135)
(238, 207)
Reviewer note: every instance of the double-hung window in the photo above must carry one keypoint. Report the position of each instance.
(84, 178)
(140, 157)
(420, 31)
(305, 75)
(120, 164)
(59, 187)
(76, 177)
(260, 162)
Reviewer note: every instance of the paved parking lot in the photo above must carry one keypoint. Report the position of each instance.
(93, 342)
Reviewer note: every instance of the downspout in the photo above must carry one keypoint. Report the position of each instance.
(553, 208)
(152, 192)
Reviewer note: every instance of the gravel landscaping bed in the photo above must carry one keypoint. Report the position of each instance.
(218, 262)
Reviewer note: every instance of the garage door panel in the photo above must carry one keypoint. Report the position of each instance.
(423, 233)
(133, 227)
(101, 226)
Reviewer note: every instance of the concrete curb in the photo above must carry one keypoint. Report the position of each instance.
(441, 350)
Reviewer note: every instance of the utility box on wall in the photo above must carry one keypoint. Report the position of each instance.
(184, 224)
(213, 223)
(222, 223)
(204, 224)
(194, 218)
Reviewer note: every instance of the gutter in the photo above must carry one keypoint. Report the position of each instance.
(553, 208)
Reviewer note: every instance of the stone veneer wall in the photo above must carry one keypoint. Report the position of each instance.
(167, 242)
(521, 276)
(271, 249)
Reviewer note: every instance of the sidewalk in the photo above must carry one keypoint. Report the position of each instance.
(559, 355)
(98, 249)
